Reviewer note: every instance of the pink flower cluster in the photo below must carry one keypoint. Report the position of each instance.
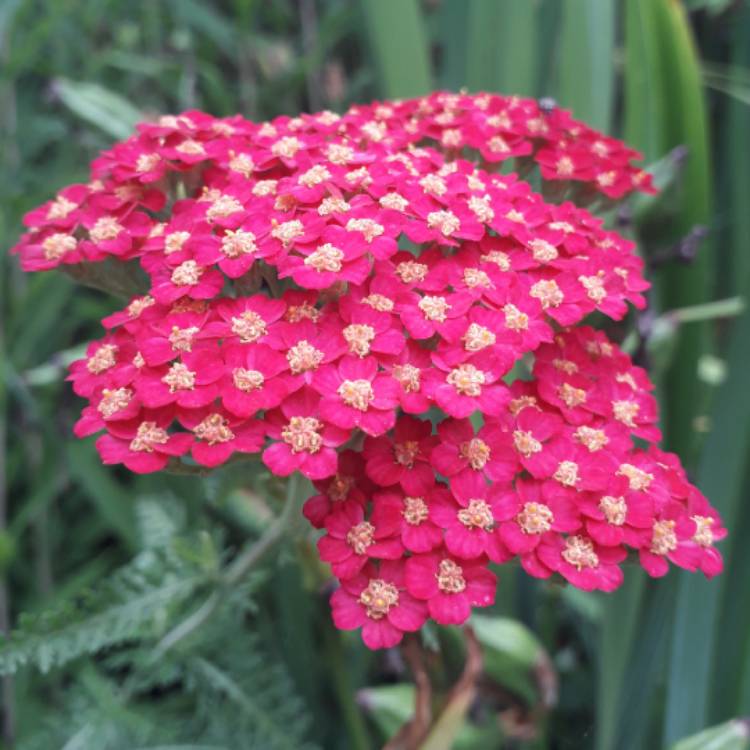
(365, 299)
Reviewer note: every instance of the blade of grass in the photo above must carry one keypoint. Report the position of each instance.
(398, 41)
(586, 60)
(501, 46)
(622, 626)
(685, 122)
(721, 475)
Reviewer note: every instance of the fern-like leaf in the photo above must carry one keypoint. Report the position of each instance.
(133, 602)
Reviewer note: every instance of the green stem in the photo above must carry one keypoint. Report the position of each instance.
(239, 567)
(350, 712)
(723, 308)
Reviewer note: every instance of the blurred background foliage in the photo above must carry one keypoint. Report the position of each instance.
(106, 565)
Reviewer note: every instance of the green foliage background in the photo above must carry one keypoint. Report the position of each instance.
(104, 565)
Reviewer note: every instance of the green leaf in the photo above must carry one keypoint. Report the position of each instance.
(129, 604)
(734, 735)
(721, 476)
(501, 46)
(685, 122)
(511, 653)
(100, 107)
(110, 499)
(389, 706)
(399, 45)
(586, 60)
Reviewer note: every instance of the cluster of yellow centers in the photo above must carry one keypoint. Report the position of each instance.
(535, 518)
(476, 452)
(579, 552)
(663, 537)
(615, 509)
(181, 339)
(525, 443)
(288, 231)
(247, 380)
(378, 302)
(515, 320)
(302, 434)
(410, 272)
(446, 222)
(214, 429)
(359, 336)
(543, 251)
(638, 479)
(57, 245)
(102, 359)
(571, 396)
(248, 326)
(450, 577)
(368, 227)
(114, 400)
(147, 437)
(703, 536)
(548, 293)
(477, 278)
(187, 273)
(567, 473)
(408, 376)
(60, 208)
(478, 337)
(405, 453)
(105, 228)
(223, 206)
(235, 244)
(179, 378)
(356, 393)
(434, 308)
(326, 257)
(303, 356)
(378, 598)
(592, 438)
(476, 515)
(415, 510)
(626, 412)
(360, 537)
(467, 380)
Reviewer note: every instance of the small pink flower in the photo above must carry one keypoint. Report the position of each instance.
(192, 381)
(336, 256)
(408, 370)
(449, 585)
(460, 450)
(671, 540)
(305, 443)
(219, 434)
(404, 458)
(583, 562)
(352, 541)
(143, 444)
(377, 601)
(355, 395)
(529, 513)
(409, 516)
(468, 516)
(460, 391)
(348, 484)
(255, 378)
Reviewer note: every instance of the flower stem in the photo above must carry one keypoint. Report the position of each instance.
(240, 566)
